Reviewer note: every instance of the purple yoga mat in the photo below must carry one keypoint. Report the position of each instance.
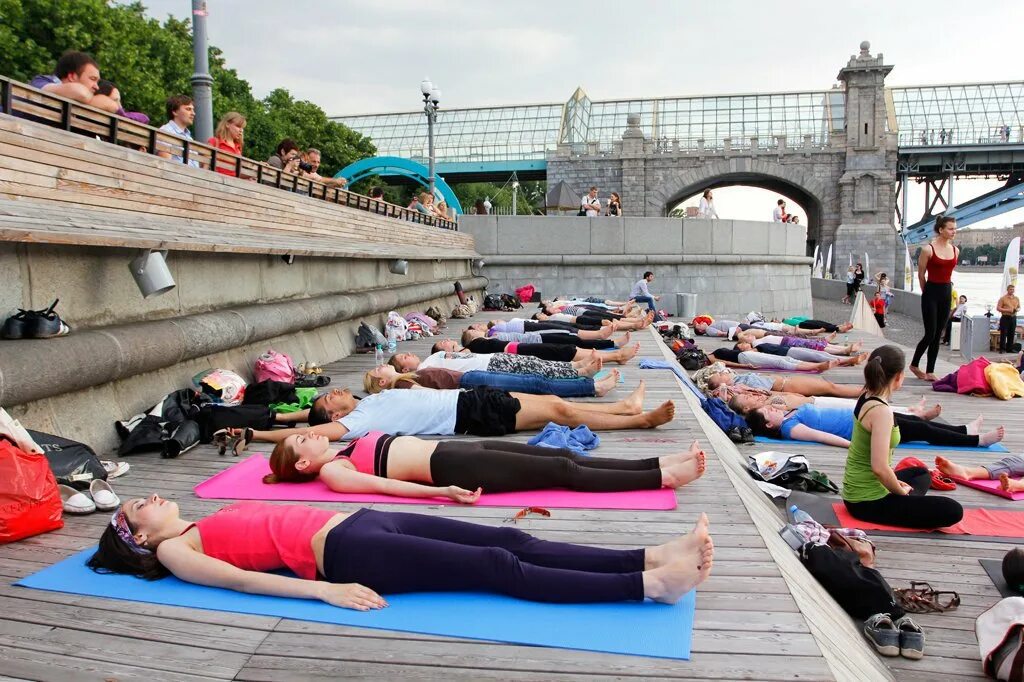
(244, 481)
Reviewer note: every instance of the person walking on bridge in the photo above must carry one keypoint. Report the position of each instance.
(707, 206)
(935, 264)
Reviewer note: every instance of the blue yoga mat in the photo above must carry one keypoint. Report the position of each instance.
(641, 629)
(605, 372)
(996, 447)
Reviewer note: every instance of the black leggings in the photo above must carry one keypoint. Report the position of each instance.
(915, 429)
(910, 511)
(819, 324)
(1007, 330)
(557, 352)
(499, 466)
(567, 339)
(934, 313)
(395, 552)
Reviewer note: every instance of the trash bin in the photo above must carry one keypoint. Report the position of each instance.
(974, 335)
(686, 306)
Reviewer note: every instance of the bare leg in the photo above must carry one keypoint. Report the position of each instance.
(954, 470)
(813, 386)
(535, 414)
(605, 333)
(632, 405)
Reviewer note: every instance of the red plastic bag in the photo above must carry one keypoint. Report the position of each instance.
(29, 500)
(525, 293)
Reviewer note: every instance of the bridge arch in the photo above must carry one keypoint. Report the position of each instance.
(792, 182)
(394, 165)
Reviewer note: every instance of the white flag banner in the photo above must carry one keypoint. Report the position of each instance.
(908, 270)
(1010, 267)
(828, 260)
(867, 267)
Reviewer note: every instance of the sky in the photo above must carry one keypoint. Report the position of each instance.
(354, 57)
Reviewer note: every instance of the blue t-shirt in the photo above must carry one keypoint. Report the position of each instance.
(835, 420)
(423, 411)
(754, 381)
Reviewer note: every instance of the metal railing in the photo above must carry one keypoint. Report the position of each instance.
(28, 103)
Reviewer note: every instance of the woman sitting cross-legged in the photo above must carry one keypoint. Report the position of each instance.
(460, 469)
(1008, 470)
(386, 376)
(872, 491)
(365, 554)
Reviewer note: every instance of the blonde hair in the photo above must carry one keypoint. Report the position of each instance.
(221, 133)
(371, 385)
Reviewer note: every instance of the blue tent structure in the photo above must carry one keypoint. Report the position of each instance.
(394, 165)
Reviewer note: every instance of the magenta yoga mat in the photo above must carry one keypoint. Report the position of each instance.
(244, 481)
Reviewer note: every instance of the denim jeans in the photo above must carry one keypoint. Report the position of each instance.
(650, 305)
(529, 383)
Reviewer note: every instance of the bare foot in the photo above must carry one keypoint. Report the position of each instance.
(830, 338)
(678, 475)
(679, 457)
(627, 354)
(669, 583)
(606, 332)
(605, 384)
(634, 404)
(916, 371)
(622, 340)
(986, 439)
(590, 367)
(677, 548)
(974, 427)
(928, 413)
(930, 377)
(855, 346)
(951, 469)
(853, 360)
(1010, 485)
(663, 414)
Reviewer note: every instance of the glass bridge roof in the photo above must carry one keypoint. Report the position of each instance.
(975, 113)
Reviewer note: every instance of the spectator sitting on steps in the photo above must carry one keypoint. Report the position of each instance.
(76, 77)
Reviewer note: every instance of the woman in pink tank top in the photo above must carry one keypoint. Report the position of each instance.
(349, 560)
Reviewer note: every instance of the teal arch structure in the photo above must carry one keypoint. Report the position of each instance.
(395, 165)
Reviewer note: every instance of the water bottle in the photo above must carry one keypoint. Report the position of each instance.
(378, 356)
(798, 515)
(392, 340)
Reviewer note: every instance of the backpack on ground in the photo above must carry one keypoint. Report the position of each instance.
(274, 366)
(511, 302)
(369, 336)
(692, 358)
(493, 302)
(462, 311)
(861, 591)
(435, 313)
(73, 463)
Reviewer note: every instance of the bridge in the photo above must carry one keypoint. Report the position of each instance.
(800, 144)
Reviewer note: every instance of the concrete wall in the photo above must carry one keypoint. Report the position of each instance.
(903, 302)
(733, 266)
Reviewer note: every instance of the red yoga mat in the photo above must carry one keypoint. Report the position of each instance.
(244, 481)
(997, 523)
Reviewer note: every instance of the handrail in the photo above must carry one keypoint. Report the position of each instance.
(26, 102)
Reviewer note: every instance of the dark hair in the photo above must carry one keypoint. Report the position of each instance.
(759, 425)
(105, 87)
(941, 221)
(648, 274)
(286, 145)
(71, 63)
(1013, 568)
(706, 193)
(114, 556)
(780, 202)
(884, 363)
(436, 348)
(376, 192)
(175, 102)
(318, 413)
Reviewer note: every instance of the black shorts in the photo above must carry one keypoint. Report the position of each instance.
(486, 411)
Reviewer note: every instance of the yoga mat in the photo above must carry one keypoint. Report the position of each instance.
(244, 481)
(637, 628)
(605, 372)
(994, 568)
(990, 486)
(996, 447)
(998, 523)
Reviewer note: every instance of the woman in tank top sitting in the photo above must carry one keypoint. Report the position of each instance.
(386, 376)
(351, 559)
(935, 264)
(872, 491)
(460, 470)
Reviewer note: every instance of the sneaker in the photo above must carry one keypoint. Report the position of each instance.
(911, 638)
(14, 326)
(882, 633)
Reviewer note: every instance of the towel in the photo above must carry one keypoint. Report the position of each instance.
(579, 440)
(651, 363)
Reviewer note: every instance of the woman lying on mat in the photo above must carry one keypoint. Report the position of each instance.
(753, 360)
(872, 491)
(507, 363)
(713, 378)
(518, 325)
(549, 337)
(729, 328)
(588, 321)
(801, 354)
(745, 402)
(460, 470)
(350, 559)
(1008, 470)
(477, 342)
(757, 338)
(386, 376)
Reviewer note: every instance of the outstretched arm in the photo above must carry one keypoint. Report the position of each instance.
(802, 432)
(345, 480)
(333, 430)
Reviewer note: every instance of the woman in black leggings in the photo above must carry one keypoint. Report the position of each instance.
(459, 470)
(935, 265)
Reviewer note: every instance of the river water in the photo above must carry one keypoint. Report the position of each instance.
(982, 289)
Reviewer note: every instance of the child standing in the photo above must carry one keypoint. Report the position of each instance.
(878, 305)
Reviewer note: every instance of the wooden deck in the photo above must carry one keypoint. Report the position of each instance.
(759, 616)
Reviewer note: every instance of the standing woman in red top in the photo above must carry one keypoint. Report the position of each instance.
(935, 265)
(228, 138)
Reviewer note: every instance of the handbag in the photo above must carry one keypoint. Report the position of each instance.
(861, 591)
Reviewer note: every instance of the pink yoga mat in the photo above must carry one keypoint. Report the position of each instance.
(244, 481)
(991, 486)
(997, 523)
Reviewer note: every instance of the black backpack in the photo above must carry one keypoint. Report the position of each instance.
(368, 337)
(692, 358)
(73, 463)
(493, 302)
(511, 302)
(861, 591)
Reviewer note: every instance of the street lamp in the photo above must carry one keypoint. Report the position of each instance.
(515, 197)
(431, 100)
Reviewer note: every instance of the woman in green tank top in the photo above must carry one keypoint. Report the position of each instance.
(872, 491)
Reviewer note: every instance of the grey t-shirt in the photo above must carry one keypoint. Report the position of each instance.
(752, 380)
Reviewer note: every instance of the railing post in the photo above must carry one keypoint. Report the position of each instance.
(5, 96)
(151, 147)
(259, 174)
(213, 159)
(65, 115)
(113, 128)
(238, 166)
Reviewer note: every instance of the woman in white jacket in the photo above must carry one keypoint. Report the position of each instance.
(707, 206)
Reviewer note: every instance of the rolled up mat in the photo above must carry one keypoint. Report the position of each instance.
(992, 486)
(244, 481)
(997, 523)
(994, 568)
(637, 628)
(995, 447)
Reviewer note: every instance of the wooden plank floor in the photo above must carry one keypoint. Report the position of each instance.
(947, 562)
(748, 624)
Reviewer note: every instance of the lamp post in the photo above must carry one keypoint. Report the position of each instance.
(431, 100)
(515, 197)
(202, 81)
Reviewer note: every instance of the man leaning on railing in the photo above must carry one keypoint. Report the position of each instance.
(77, 77)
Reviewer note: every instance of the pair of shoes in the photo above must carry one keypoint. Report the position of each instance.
(311, 380)
(101, 496)
(900, 638)
(115, 469)
(35, 324)
(236, 439)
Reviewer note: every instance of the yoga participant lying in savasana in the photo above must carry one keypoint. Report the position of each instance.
(549, 336)
(1008, 470)
(755, 339)
(460, 470)
(714, 377)
(749, 359)
(872, 491)
(518, 325)
(351, 559)
(480, 411)
(477, 342)
(386, 376)
(745, 402)
(801, 354)
(591, 321)
(729, 328)
(499, 362)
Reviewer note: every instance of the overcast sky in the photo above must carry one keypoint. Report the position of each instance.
(362, 57)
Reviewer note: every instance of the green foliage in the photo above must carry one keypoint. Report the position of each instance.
(530, 199)
(150, 61)
(996, 254)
